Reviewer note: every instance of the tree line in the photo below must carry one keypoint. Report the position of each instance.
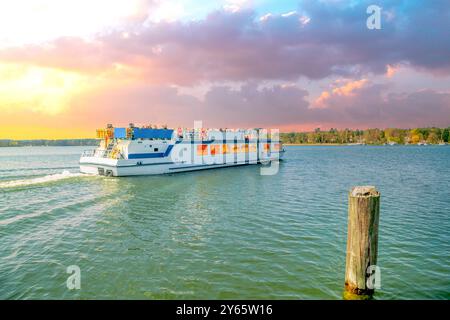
(369, 136)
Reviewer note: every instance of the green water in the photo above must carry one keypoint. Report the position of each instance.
(224, 233)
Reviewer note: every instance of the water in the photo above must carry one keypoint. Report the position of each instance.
(225, 233)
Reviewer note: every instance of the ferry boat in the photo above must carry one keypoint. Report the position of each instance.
(150, 150)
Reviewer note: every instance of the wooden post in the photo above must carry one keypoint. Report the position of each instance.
(362, 240)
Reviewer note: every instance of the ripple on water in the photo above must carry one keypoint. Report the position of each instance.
(228, 233)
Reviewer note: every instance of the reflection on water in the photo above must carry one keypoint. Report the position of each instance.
(225, 233)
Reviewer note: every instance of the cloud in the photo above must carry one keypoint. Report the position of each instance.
(36, 89)
(391, 70)
(373, 105)
(249, 65)
(252, 106)
(23, 22)
(278, 106)
(347, 89)
(319, 40)
(283, 106)
(222, 106)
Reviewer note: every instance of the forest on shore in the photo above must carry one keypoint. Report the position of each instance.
(369, 136)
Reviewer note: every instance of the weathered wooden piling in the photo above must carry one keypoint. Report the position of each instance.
(362, 241)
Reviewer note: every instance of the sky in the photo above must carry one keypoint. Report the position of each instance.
(68, 67)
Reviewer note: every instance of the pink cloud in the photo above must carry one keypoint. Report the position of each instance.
(250, 105)
(278, 106)
(237, 46)
(347, 89)
(145, 64)
(391, 70)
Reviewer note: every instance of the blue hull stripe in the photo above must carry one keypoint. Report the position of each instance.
(151, 155)
(169, 148)
(145, 155)
(125, 165)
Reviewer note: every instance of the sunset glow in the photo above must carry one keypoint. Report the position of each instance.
(37, 89)
(67, 67)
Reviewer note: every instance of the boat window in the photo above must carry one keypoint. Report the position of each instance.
(156, 149)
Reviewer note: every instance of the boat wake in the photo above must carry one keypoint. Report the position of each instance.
(37, 168)
(49, 178)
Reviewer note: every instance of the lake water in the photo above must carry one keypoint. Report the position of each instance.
(224, 233)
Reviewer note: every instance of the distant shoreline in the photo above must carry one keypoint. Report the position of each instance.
(314, 144)
(49, 143)
(332, 137)
(350, 145)
(64, 143)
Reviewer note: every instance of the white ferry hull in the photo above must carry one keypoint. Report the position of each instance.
(89, 166)
(153, 151)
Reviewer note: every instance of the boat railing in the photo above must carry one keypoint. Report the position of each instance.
(88, 153)
(102, 154)
(94, 153)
